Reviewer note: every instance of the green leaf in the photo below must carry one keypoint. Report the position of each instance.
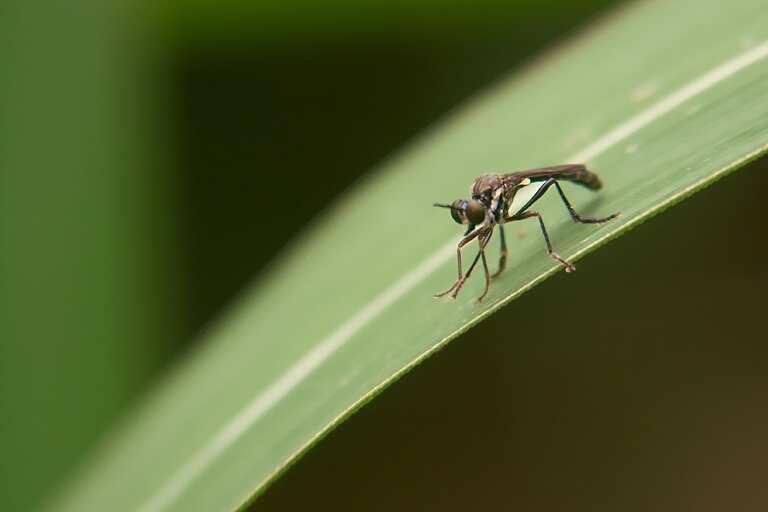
(660, 100)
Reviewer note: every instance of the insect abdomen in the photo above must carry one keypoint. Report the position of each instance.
(588, 178)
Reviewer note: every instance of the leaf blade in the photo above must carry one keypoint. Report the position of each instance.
(350, 308)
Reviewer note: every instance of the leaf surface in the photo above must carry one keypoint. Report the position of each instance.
(660, 99)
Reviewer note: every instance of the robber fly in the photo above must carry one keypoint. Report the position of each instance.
(492, 196)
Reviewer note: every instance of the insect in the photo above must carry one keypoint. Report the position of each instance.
(492, 196)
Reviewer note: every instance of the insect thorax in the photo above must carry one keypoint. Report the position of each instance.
(491, 190)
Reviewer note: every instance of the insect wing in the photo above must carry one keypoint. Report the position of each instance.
(576, 173)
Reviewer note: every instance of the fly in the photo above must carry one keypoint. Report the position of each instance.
(492, 196)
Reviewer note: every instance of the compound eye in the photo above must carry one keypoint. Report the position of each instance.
(475, 212)
(457, 211)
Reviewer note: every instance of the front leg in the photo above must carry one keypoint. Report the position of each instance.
(486, 231)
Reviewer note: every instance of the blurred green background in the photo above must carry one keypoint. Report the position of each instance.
(155, 156)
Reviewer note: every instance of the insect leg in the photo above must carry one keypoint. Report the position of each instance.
(480, 254)
(503, 257)
(463, 277)
(574, 214)
(527, 215)
(578, 218)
